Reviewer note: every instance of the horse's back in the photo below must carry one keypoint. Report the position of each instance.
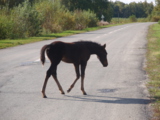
(73, 52)
(69, 52)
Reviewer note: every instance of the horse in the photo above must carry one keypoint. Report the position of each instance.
(77, 53)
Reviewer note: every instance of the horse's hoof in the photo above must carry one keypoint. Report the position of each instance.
(68, 90)
(63, 93)
(84, 93)
(45, 96)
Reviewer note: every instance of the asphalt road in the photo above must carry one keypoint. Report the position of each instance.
(116, 92)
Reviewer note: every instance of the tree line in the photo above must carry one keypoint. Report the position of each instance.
(140, 9)
(97, 6)
(101, 7)
(112, 9)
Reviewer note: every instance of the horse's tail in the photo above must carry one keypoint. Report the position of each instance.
(42, 54)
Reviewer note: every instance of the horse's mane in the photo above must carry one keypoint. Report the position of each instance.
(95, 44)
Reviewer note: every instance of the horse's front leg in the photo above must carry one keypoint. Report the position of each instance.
(83, 67)
(77, 74)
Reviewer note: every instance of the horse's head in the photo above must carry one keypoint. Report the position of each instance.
(102, 55)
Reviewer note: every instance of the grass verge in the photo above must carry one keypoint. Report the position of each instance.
(14, 42)
(153, 67)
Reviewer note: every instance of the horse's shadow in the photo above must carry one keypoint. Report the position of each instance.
(104, 99)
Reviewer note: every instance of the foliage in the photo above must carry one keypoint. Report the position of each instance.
(92, 19)
(5, 22)
(132, 18)
(51, 14)
(156, 12)
(5, 26)
(57, 18)
(99, 7)
(84, 19)
(140, 9)
(13, 3)
(28, 19)
(120, 20)
(127, 20)
(19, 22)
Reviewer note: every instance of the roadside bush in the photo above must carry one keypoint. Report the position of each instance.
(50, 14)
(93, 20)
(155, 18)
(26, 21)
(5, 26)
(67, 20)
(81, 20)
(57, 18)
(85, 19)
(156, 13)
(133, 18)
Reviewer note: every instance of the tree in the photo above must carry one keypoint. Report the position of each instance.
(140, 9)
(157, 2)
(97, 6)
(156, 11)
(76, 4)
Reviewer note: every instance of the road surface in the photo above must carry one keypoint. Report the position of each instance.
(117, 92)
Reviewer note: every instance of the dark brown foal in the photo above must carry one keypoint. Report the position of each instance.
(77, 53)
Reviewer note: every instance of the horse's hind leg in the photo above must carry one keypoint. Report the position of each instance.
(54, 74)
(77, 74)
(51, 71)
(48, 74)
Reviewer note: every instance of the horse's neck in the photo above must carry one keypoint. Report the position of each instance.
(93, 49)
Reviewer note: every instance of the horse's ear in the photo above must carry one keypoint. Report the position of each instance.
(104, 46)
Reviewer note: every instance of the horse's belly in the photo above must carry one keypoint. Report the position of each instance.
(67, 60)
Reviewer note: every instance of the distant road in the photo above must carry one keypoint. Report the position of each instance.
(117, 92)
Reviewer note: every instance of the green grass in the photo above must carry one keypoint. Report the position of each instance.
(153, 67)
(15, 42)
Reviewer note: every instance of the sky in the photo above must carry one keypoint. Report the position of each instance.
(129, 1)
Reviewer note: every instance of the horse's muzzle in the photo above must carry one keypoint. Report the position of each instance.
(105, 64)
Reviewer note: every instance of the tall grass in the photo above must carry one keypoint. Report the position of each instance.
(129, 20)
(120, 20)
